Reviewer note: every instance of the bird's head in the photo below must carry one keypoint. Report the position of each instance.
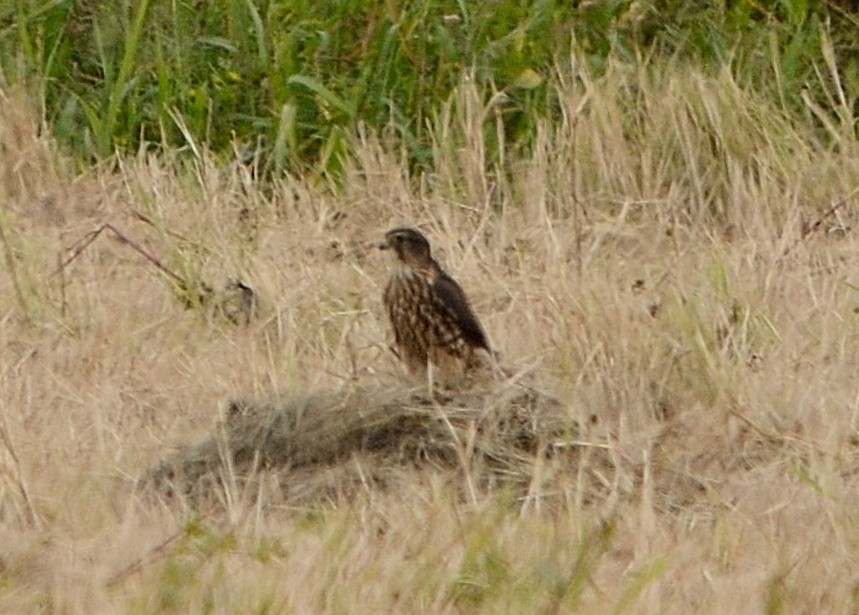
(410, 246)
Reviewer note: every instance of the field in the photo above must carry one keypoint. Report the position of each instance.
(672, 265)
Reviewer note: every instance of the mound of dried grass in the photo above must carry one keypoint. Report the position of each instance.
(310, 442)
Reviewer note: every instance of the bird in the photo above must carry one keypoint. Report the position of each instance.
(433, 322)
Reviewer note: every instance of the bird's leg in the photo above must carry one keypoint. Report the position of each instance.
(497, 372)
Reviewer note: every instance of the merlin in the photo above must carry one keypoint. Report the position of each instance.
(434, 325)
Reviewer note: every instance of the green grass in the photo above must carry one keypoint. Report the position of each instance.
(289, 83)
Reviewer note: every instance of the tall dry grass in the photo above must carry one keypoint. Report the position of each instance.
(655, 264)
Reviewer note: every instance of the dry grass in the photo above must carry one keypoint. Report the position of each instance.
(649, 269)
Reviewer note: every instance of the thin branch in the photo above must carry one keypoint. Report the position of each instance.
(154, 554)
(819, 222)
(150, 257)
(81, 246)
(123, 238)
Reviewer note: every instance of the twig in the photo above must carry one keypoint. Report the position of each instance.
(191, 294)
(82, 245)
(146, 219)
(819, 222)
(154, 553)
(122, 237)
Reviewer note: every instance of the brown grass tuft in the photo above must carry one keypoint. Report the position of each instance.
(492, 436)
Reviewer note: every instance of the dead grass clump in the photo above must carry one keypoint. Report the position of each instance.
(493, 437)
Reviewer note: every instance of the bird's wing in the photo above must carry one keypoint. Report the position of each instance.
(453, 298)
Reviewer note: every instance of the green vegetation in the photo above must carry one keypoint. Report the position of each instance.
(288, 83)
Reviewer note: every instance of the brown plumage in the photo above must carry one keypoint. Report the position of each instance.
(429, 312)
